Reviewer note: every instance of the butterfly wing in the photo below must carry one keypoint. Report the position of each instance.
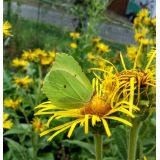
(66, 85)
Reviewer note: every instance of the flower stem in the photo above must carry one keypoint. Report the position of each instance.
(98, 146)
(133, 138)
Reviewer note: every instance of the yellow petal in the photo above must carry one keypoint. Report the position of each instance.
(105, 124)
(131, 98)
(86, 127)
(94, 119)
(122, 60)
(123, 110)
(58, 132)
(72, 128)
(120, 120)
(56, 128)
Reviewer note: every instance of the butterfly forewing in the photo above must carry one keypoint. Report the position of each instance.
(66, 85)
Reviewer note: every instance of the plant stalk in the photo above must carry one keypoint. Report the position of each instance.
(133, 139)
(98, 146)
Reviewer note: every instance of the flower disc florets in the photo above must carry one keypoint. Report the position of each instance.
(97, 106)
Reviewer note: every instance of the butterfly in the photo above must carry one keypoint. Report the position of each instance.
(66, 85)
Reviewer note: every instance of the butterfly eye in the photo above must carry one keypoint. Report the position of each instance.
(64, 86)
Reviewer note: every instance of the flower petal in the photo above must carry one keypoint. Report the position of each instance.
(105, 124)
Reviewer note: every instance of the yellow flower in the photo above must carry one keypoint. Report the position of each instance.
(143, 13)
(153, 21)
(138, 36)
(11, 103)
(101, 63)
(132, 52)
(6, 28)
(38, 126)
(147, 20)
(39, 53)
(22, 81)
(7, 123)
(133, 80)
(136, 22)
(73, 45)
(96, 40)
(90, 56)
(17, 62)
(145, 41)
(74, 35)
(47, 60)
(144, 31)
(98, 110)
(52, 54)
(29, 55)
(102, 47)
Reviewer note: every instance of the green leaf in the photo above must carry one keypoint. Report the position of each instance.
(7, 81)
(85, 145)
(7, 155)
(121, 141)
(18, 151)
(47, 156)
(20, 129)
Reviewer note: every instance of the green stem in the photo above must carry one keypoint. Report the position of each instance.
(133, 138)
(35, 145)
(98, 146)
(38, 92)
(24, 114)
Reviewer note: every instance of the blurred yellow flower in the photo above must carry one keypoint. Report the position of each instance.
(101, 63)
(38, 126)
(136, 22)
(74, 35)
(11, 103)
(102, 47)
(90, 56)
(147, 20)
(143, 13)
(39, 53)
(6, 28)
(29, 55)
(47, 60)
(132, 52)
(18, 62)
(145, 41)
(96, 40)
(138, 36)
(22, 81)
(144, 31)
(52, 54)
(153, 21)
(7, 123)
(73, 45)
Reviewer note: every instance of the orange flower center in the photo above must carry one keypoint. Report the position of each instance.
(97, 106)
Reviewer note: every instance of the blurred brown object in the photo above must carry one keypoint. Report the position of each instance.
(119, 6)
